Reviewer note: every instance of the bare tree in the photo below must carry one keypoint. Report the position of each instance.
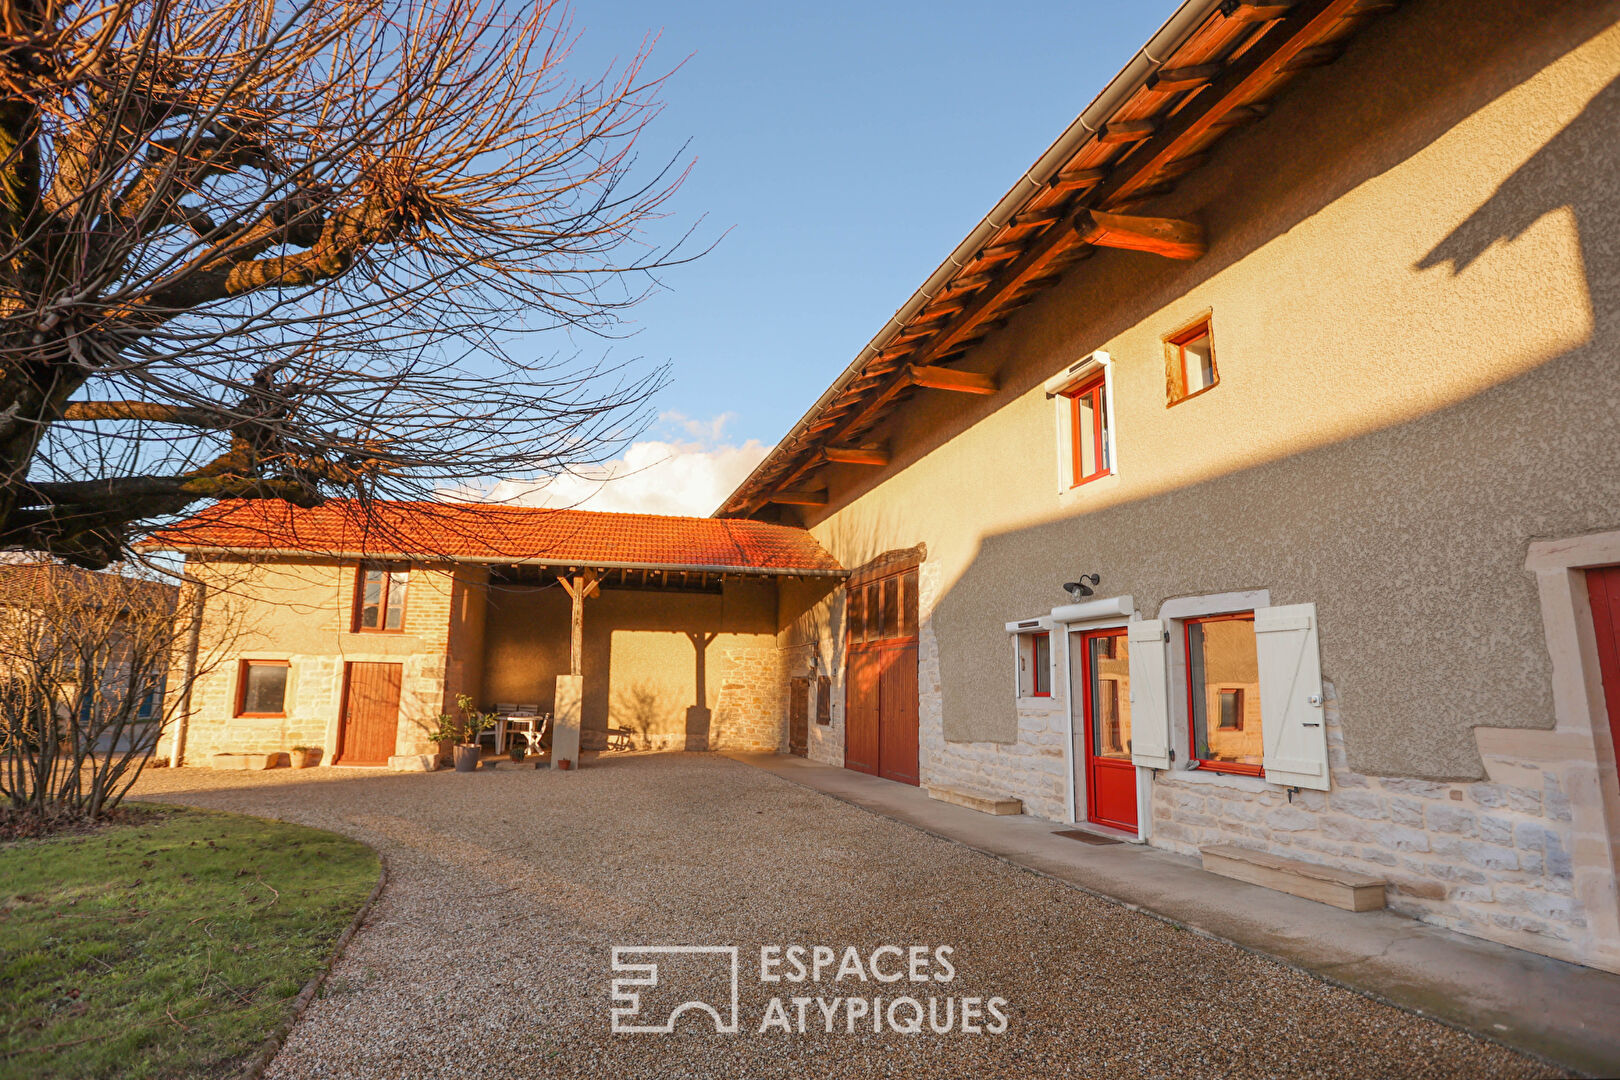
(93, 667)
(292, 248)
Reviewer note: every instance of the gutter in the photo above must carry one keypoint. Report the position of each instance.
(498, 560)
(1169, 37)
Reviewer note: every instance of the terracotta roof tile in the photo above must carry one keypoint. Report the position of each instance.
(485, 532)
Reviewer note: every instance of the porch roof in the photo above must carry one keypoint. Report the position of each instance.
(484, 533)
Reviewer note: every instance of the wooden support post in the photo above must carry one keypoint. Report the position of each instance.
(1160, 236)
(943, 378)
(584, 586)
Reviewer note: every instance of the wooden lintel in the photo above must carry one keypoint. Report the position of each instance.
(1183, 78)
(855, 455)
(1168, 237)
(943, 378)
(799, 498)
(1127, 131)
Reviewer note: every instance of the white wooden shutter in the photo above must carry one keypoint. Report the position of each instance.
(1150, 713)
(1291, 717)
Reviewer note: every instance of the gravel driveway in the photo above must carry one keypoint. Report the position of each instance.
(488, 954)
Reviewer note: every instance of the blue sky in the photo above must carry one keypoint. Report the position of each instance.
(847, 147)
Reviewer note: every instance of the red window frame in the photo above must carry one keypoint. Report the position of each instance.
(1097, 390)
(1235, 767)
(241, 686)
(1179, 342)
(1039, 672)
(388, 572)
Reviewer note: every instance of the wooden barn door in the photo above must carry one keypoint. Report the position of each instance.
(370, 723)
(880, 715)
(799, 717)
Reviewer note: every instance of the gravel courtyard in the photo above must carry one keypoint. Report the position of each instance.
(488, 954)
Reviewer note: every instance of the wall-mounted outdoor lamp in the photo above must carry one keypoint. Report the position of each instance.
(1079, 590)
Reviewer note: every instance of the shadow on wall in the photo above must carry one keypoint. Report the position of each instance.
(1411, 539)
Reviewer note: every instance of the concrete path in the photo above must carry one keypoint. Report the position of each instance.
(1564, 1012)
(490, 952)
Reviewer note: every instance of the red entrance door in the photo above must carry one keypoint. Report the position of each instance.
(880, 705)
(1603, 586)
(1110, 778)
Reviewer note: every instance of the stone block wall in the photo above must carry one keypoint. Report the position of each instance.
(1030, 768)
(1489, 858)
(750, 712)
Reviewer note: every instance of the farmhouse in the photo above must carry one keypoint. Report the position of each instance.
(1246, 477)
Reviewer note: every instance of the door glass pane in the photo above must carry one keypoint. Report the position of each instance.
(855, 613)
(264, 688)
(1085, 435)
(397, 582)
(908, 604)
(891, 607)
(1224, 691)
(1109, 664)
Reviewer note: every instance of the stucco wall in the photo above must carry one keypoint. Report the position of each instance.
(1415, 313)
(641, 660)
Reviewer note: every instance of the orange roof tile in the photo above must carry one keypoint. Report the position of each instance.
(484, 532)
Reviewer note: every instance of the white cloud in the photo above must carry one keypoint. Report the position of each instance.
(671, 475)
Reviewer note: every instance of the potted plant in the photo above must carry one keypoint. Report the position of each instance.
(463, 732)
(517, 751)
(302, 757)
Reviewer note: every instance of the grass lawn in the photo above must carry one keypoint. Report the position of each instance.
(167, 945)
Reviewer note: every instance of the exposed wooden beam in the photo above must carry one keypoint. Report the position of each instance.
(799, 498)
(1159, 236)
(971, 281)
(1257, 10)
(855, 455)
(943, 378)
(1127, 131)
(1077, 178)
(1242, 81)
(1315, 56)
(1048, 216)
(1183, 78)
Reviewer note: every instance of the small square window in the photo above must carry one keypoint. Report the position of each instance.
(1189, 362)
(1223, 677)
(1088, 426)
(1035, 665)
(262, 688)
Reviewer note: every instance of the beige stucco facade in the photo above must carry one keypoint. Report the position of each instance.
(1415, 304)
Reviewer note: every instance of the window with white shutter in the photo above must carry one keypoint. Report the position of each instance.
(1291, 696)
(1150, 714)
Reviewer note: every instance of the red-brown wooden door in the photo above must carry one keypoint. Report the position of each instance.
(880, 710)
(1603, 586)
(370, 722)
(1106, 698)
(799, 717)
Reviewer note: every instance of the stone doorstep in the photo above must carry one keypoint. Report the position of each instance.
(984, 804)
(1342, 888)
(245, 761)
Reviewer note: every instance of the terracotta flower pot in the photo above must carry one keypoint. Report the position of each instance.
(466, 757)
(564, 764)
(301, 759)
